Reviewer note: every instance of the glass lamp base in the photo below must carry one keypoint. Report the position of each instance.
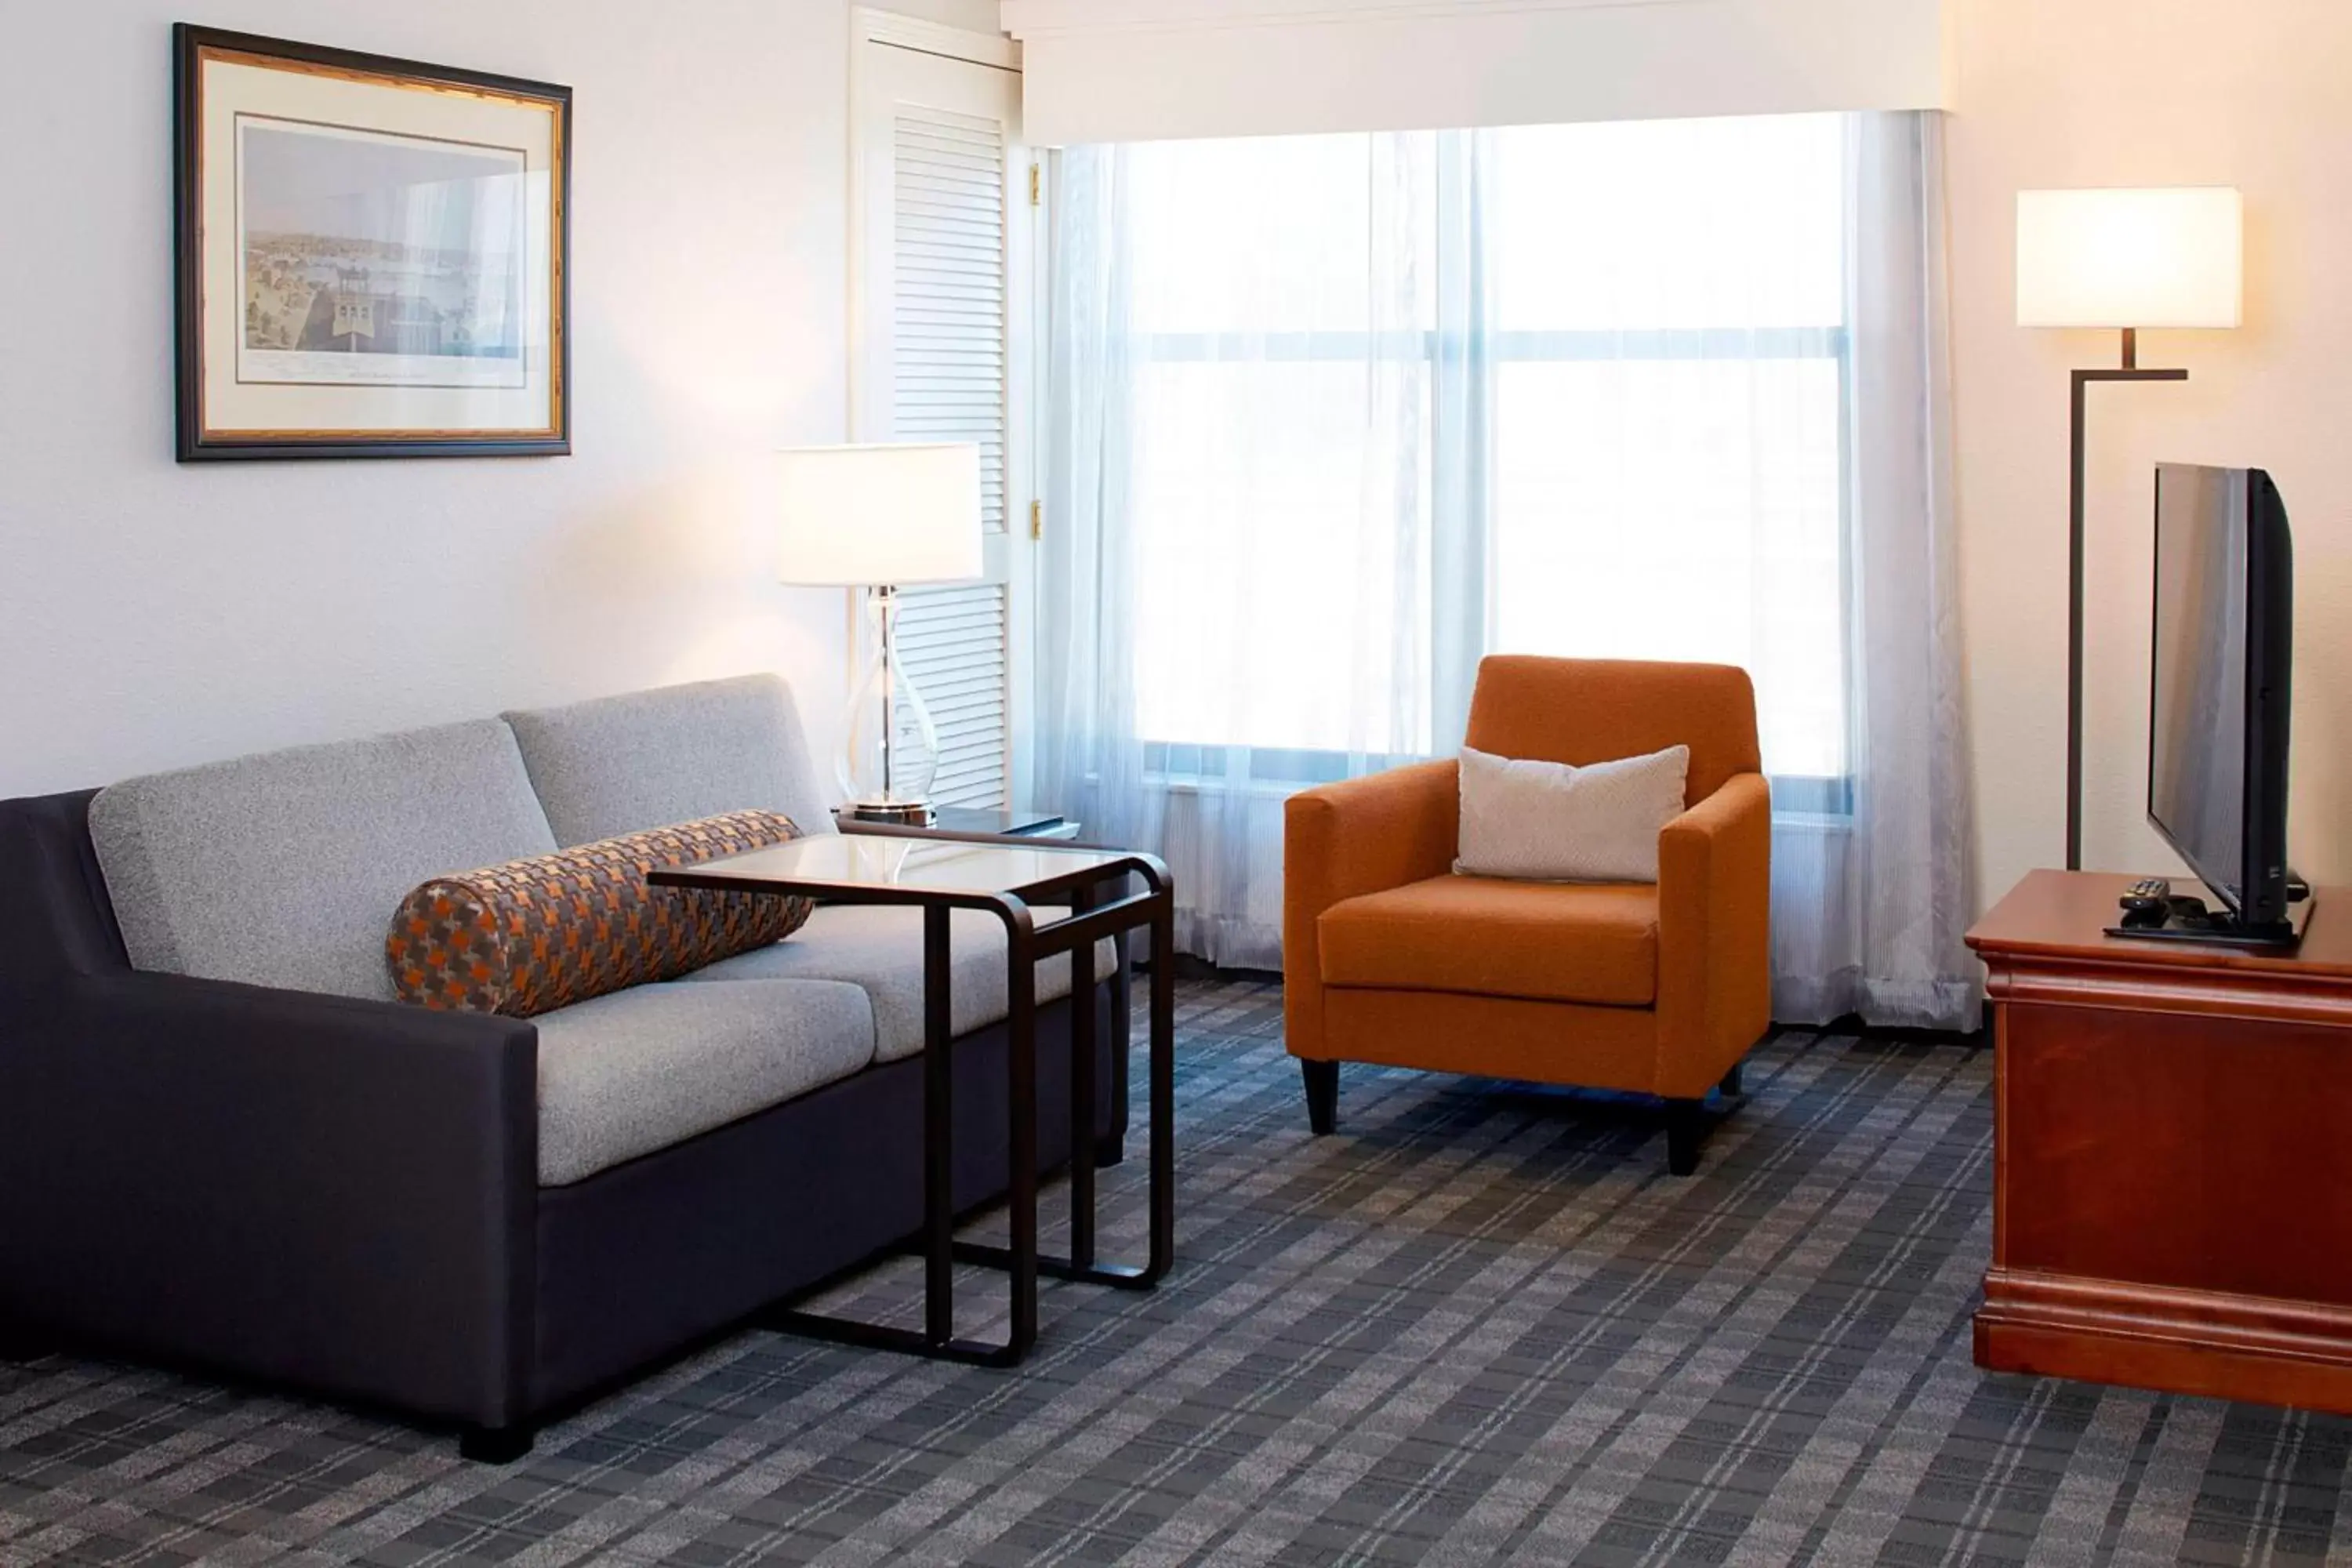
(890, 749)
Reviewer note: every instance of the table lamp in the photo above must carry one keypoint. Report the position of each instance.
(882, 518)
(2127, 259)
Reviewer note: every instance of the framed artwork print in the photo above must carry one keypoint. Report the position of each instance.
(370, 254)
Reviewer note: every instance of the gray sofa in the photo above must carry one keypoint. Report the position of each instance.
(223, 1142)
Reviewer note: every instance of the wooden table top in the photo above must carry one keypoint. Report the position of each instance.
(2064, 915)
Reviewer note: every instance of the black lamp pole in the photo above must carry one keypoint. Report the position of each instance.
(2082, 378)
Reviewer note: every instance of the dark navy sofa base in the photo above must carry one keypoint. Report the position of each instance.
(340, 1196)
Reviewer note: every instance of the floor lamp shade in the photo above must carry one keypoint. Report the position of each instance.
(885, 518)
(2169, 257)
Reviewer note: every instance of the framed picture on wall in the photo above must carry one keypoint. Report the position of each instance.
(372, 255)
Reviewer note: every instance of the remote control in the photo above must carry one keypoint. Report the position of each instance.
(2148, 896)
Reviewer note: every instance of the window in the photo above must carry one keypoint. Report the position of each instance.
(1251, 264)
(1578, 389)
(1671, 403)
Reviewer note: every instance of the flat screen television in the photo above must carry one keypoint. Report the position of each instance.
(2224, 635)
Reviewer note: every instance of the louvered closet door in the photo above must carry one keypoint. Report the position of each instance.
(945, 284)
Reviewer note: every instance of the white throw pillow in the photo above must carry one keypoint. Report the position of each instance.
(1557, 822)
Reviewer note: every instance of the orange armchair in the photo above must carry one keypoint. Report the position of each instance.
(1389, 957)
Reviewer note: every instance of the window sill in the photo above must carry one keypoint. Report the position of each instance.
(1812, 806)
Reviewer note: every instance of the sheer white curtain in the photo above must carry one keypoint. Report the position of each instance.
(1870, 919)
(1337, 416)
(1238, 577)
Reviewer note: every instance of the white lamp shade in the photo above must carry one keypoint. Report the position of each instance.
(2130, 257)
(867, 516)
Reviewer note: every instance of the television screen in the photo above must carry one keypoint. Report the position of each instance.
(2219, 696)
(2197, 720)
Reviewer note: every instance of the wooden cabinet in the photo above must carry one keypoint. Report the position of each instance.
(2172, 1193)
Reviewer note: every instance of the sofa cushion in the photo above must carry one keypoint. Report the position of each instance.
(530, 936)
(622, 764)
(280, 869)
(641, 1069)
(880, 949)
(1550, 942)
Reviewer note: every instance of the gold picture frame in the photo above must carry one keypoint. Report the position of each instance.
(370, 254)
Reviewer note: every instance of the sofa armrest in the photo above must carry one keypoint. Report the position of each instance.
(1714, 940)
(1343, 840)
(330, 1192)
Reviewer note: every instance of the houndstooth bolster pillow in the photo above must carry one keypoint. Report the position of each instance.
(533, 935)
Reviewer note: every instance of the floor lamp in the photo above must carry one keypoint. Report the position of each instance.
(2124, 259)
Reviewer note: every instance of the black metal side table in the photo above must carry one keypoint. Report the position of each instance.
(942, 875)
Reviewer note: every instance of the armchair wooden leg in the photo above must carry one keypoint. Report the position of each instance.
(1731, 1089)
(1322, 1094)
(1686, 1126)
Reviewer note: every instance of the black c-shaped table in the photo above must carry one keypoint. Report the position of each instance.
(1004, 879)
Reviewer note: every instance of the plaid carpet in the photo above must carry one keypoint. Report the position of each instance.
(1480, 1326)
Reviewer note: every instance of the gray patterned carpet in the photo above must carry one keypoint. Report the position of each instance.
(1481, 1326)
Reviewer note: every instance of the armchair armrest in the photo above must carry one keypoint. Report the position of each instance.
(319, 1190)
(1715, 942)
(1343, 840)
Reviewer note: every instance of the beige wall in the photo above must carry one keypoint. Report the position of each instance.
(2087, 92)
(153, 615)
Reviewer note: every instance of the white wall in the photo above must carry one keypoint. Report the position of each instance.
(2088, 92)
(153, 615)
